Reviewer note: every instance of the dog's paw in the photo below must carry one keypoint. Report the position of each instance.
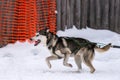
(49, 65)
(70, 65)
(67, 64)
(92, 71)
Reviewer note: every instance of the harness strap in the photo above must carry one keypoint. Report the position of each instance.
(82, 44)
(115, 46)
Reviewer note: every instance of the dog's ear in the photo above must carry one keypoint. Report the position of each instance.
(47, 30)
(42, 32)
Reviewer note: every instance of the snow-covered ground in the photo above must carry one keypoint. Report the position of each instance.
(24, 61)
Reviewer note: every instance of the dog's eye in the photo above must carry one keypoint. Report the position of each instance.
(37, 35)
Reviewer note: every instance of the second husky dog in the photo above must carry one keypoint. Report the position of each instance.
(65, 47)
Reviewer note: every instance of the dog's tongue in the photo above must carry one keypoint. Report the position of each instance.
(37, 42)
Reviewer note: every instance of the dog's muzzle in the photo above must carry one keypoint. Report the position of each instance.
(31, 39)
(37, 42)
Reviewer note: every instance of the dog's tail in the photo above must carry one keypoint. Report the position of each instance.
(103, 49)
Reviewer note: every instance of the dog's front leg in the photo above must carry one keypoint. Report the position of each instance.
(78, 61)
(65, 62)
(50, 58)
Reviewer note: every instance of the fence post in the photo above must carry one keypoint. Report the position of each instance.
(117, 14)
(98, 14)
(58, 2)
(92, 14)
(63, 14)
(77, 14)
(105, 14)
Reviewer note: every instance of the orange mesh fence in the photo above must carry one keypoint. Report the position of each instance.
(52, 15)
(46, 15)
(42, 14)
(31, 18)
(25, 19)
(6, 22)
(0, 24)
(20, 19)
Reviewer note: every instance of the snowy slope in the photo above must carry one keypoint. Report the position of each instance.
(23, 61)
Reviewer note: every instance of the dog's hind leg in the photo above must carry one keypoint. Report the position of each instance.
(78, 61)
(88, 60)
(89, 64)
(50, 58)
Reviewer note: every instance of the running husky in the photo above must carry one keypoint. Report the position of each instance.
(65, 47)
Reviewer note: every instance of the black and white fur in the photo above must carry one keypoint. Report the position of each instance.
(64, 47)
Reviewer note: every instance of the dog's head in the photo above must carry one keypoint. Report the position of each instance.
(41, 36)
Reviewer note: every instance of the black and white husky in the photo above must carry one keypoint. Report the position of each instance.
(65, 47)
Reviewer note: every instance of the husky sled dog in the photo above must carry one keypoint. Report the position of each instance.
(64, 47)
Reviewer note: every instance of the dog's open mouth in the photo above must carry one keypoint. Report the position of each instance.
(37, 42)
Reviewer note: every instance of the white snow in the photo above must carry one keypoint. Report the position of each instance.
(24, 61)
